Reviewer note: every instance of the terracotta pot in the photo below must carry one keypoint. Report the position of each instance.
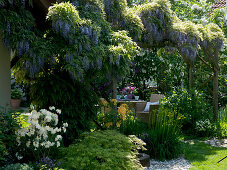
(15, 103)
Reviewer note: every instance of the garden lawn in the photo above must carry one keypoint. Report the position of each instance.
(203, 156)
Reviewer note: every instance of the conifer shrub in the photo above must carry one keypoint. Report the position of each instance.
(102, 150)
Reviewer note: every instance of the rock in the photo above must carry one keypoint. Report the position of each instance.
(144, 159)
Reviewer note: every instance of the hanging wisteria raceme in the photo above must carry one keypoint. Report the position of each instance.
(111, 59)
(99, 63)
(8, 28)
(90, 32)
(107, 6)
(155, 31)
(69, 58)
(75, 3)
(23, 3)
(118, 60)
(23, 47)
(86, 63)
(188, 53)
(6, 42)
(34, 64)
(64, 28)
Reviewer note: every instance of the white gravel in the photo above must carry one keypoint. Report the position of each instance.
(181, 163)
(174, 164)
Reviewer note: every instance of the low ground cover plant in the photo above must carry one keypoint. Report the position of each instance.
(101, 150)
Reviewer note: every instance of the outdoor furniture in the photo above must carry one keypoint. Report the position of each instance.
(145, 115)
(131, 103)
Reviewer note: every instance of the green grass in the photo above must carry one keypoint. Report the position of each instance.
(203, 156)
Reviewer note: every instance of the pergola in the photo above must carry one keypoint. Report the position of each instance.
(155, 24)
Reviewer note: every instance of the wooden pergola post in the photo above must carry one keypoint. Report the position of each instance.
(5, 85)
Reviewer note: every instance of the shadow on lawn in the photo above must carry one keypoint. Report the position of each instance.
(200, 151)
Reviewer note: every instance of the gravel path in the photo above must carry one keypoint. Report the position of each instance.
(174, 164)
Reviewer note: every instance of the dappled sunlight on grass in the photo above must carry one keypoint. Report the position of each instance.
(204, 156)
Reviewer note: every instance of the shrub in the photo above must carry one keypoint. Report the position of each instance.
(76, 100)
(101, 150)
(205, 128)
(18, 166)
(41, 134)
(8, 126)
(47, 163)
(122, 119)
(162, 139)
(16, 94)
(191, 104)
(222, 123)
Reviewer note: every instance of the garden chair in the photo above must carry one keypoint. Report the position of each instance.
(145, 111)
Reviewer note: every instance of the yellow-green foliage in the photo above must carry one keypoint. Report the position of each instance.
(133, 22)
(162, 5)
(122, 39)
(187, 27)
(101, 150)
(64, 11)
(211, 32)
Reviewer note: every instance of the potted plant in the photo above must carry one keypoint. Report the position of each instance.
(130, 91)
(16, 95)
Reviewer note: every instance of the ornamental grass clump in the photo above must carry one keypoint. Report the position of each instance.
(162, 139)
(102, 150)
(39, 134)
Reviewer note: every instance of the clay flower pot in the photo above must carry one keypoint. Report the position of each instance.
(15, 103)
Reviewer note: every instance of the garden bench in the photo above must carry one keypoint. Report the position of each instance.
(145, 114)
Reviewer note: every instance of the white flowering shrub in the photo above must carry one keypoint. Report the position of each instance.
(41, 133)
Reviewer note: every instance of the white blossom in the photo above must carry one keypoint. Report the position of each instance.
(28, 143)
(58, 144)
(65, 124)
(52, 108)
(58, 111)
(36, 144)
(196, 6)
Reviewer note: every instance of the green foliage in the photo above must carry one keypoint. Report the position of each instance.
(76, 100)
(124, 120)
(8, 127)
(222, 123)
(165, 68)
(101, 150)
(191, 104)
(205, 128)
(16, 94)
(162, 139)
(18, 166)
(65, 12)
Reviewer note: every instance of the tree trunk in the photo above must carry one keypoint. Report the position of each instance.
(215, 93)
(114, 85)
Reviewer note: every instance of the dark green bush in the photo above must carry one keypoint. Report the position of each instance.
(191, 104)
(101, 150)
(162, 139)
(8, 126)
(205, 128)
(76, 100)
